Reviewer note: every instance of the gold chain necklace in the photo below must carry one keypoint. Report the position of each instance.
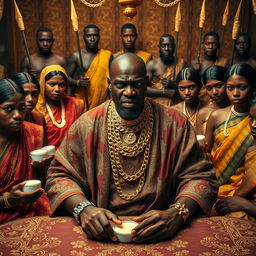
(185, 112)
(63, 120)
(118, 147)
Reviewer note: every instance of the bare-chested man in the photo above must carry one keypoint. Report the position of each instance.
(129, 36)
(161, 71)
(243, 45)
(210, 45)
(91, 85)
(44, 56)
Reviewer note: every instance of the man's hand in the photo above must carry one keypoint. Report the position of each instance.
(17, 196)
(43, 163)
(157, 225)
(168, 83)
(232, 204)
(95, 223)
(83, 82)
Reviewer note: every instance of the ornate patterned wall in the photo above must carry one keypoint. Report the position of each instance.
(151, 21)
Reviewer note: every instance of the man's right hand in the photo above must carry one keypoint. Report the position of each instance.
(83, 82)
(95, 223)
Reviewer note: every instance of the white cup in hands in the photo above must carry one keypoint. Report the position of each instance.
(50, 149)
(39, 154)
(124, 231)
(201, 139)
(31, 185)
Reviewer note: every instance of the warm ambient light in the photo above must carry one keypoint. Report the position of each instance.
(130, 7)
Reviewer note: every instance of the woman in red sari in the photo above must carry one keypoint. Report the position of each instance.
(59, 110)
(32, 89)
(17, 140)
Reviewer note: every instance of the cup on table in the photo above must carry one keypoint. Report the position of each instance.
(31, 185)
(39, 154)
(124, 231)
(50, 149)
(201, 139)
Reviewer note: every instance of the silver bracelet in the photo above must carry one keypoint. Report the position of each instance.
(79, 208)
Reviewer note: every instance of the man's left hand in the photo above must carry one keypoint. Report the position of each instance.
(157, 225)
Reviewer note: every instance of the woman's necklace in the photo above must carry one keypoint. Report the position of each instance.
(232, 111)
(186, 113)
(63, 120)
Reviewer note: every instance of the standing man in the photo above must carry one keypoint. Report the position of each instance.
(161, 71)
(210, 45)
(91, 85)
(44, 56)
(243, 45)
(131, 156)
(129, 37)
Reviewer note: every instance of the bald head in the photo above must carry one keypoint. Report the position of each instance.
(128, 85)
(128, 63)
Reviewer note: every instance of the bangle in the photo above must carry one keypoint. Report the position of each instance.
(6, 202)
(79, 208)
(183, 211)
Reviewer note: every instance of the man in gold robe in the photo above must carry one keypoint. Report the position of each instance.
(129, 36)
(90, 84)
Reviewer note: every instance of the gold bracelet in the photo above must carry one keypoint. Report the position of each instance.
(6, 202)
(183, 211)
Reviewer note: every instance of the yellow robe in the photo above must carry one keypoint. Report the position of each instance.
(98, 72)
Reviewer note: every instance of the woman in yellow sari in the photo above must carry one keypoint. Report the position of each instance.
(228, 134)
(243, 203)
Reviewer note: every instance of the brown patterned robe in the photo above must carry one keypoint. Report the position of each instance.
(176, 165)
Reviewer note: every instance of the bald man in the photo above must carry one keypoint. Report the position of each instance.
(122, 159)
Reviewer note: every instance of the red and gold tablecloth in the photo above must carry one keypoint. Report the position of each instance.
(62, 236)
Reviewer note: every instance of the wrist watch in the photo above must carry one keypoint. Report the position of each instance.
(79, 208)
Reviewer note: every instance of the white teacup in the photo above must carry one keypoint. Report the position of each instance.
(124, 231)
(201, 139)
(39, 154)
(31, 185)
(50, 149)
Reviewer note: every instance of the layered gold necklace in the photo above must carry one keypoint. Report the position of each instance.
(129, 139)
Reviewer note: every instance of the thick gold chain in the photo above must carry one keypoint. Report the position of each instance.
(166, 3)
(117, 148)
(93, 3)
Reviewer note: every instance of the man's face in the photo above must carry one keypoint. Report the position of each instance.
(166, 48)
(128, 37)
(242, 45)
(45, 41)
(128, 89)
(210, 45)
(91, 38)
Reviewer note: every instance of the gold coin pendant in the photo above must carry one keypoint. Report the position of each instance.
(129, 138)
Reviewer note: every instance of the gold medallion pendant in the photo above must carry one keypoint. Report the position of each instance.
(129, 138)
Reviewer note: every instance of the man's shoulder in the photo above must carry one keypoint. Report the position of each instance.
(172, 115)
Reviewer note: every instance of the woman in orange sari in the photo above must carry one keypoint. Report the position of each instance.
(59, 110)
(243, 203)
(32, 88)
(17, 140)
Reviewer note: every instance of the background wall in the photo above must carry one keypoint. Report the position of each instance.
(151, 22)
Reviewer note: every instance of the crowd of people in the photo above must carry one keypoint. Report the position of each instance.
(124, 126)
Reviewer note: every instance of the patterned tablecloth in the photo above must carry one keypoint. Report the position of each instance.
(62, 236)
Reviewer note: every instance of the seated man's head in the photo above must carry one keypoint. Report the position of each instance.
(243, 44)
(128, 36)
(189, 85)
(128, 85)
(91, 37)
(44, 39)
(166, 48)
(211, 44)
